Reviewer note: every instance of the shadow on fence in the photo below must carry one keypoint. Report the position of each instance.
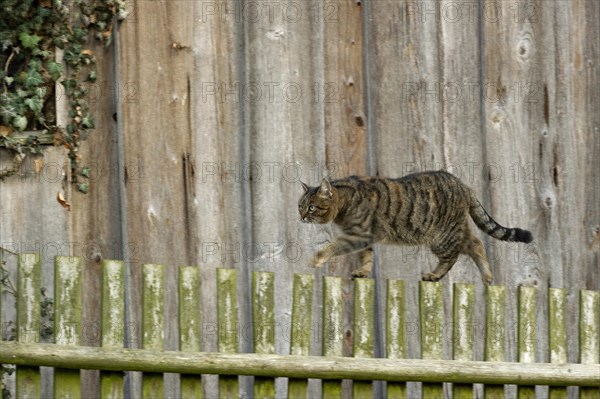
(68, 355)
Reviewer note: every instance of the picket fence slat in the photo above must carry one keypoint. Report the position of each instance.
(190, 325)
(462, 340)
(432, 321)
(28, 320)
(301, 328)
(112, 383)
(263, 305)
(589, 335)
(227, 322)
(364, 329)
(333, 332)
(557, 327)
(396, 332)
(67, 320)
(526, 334)
(495, 337)
(153, 324)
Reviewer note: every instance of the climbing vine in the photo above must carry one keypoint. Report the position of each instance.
(31, 31)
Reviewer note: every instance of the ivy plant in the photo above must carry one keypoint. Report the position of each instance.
(31, 31)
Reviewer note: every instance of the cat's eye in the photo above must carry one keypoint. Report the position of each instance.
(311, 208)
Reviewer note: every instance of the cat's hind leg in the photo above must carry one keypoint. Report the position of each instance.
(474, 248)
(447, 258)
(366, 260)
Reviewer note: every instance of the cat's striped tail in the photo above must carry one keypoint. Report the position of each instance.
(488, 225)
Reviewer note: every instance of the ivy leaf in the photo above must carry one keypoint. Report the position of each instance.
(87, 122)
(86, 171)
(19, 122)
(35, 104)
(32, 78)
(55, 70)
(83, 187)
(29, 41)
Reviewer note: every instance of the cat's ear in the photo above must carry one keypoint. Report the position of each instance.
(325, 189)
(304, 186)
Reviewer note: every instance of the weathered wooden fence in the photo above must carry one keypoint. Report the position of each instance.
(100, 345)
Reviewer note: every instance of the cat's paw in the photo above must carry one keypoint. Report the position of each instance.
(431, 277)
(360, 273)
(317, 261)
(487, 280)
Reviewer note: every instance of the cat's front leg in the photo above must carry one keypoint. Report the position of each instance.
(343, 245)
(366, 260)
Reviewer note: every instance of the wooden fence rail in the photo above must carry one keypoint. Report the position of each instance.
(67, 355)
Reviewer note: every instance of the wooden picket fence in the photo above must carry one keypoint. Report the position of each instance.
(68, 355)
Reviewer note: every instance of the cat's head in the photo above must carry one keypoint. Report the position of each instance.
(318, 204)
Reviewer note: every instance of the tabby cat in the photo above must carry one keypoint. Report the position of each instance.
(428, 208)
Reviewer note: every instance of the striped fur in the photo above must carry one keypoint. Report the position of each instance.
(429, 208)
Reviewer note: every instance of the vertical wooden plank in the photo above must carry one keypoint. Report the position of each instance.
(263, 311)
(405, 123)
(364, 329)
(341, 92)
(153, 323)
(339, 95)
(28, 320)
(281, 75)
(457, 93)
(396, 332)
(463, 333)
(333, 332)
(495, 334)
(97, 218)
(227, 313)
(432, 321)
(557, 314)
(190, 325)
(526, 335)
(301, 328)
(67, 320)
(219, 153)
(159, 187)
(584, 82)
(113, 323)
(589, 335)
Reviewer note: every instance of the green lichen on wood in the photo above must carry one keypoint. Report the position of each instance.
(333, 332)
(432, 321)
(228, 325)
(364, 329)
(190, 325)
(557, 315)
(462, 335)
(495, 334)
(113, 323)
(28, 320)
(526, 334)
(589, 335)
(67, 319)
(263, 306)
(153, 323)
(301, 328)
(396, 332)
